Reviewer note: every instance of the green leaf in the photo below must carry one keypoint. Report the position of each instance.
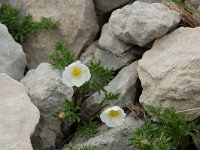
(71, 111)
(100, 77)
(111, 96)
(87, 148)
(87, 130)
(61, 57)
(21, 26)
(81, 148)
(172, 129)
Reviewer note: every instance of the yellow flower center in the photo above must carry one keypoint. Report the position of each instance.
(76, 72)
(114, 113)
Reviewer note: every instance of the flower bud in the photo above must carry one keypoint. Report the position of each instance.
(144, 143)
(62, 116)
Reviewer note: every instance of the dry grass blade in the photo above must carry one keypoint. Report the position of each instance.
(137, 110)
(188, 18)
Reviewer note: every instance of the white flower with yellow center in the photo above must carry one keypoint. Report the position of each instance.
(113, 116)
(76, 74)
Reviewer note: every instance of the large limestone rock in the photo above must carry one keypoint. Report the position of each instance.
(141, 23)
(47, 92)
(112, 61)
(18, 116)
(76, 25)
(89, 54)
(150, 1)
(105, 6)
(107, 58)
(124, 84)
(12, 57)
(111, 43)
(113, 138)
(169, 72)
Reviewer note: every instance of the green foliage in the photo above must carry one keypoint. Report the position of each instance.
(81, 148)
(172, 129)
(70, 147)
(170, 121)
(87, 148)
(20, 26)
(88, 130)
(71, 111)
(61, 57)
(111, 96)
(100, 76)
(186, 7)
(148, 131)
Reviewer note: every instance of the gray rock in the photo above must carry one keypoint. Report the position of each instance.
(169, 72)
(107, 58)
(77, 25)
(18, 116)
(141, 23)
(124, 83)
(12, 58)
(105, 6)
(113, 61)
(150, 1)
(47, 92)
(89, 54)
(114, 138)
(111, 43)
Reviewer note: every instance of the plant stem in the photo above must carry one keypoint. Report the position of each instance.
(101, 106)
(183, 143)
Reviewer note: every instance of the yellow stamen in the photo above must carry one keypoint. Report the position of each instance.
(76, 72)
(114, 113)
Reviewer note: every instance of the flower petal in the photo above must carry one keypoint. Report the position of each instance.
(78, 62)
(87, 73)
(66, 79)
(71, 80)
(113, 121)
(78, 81)
(72, 65)
(104, 117)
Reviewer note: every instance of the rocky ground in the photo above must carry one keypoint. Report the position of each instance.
(156, 61)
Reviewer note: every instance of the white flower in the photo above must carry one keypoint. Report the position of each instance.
(113, 116)
(76, 74)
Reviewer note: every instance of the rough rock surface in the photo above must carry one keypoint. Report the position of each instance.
(150, 1)
(169, 72)
(112, 61)
(114, 138)
(141, 23)
(105, 6)
(111, 43)
(76, 25)
(12, 58)
(18, 116)
(47, 92)
(89, 54)
(124, 83)
(109, 59)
